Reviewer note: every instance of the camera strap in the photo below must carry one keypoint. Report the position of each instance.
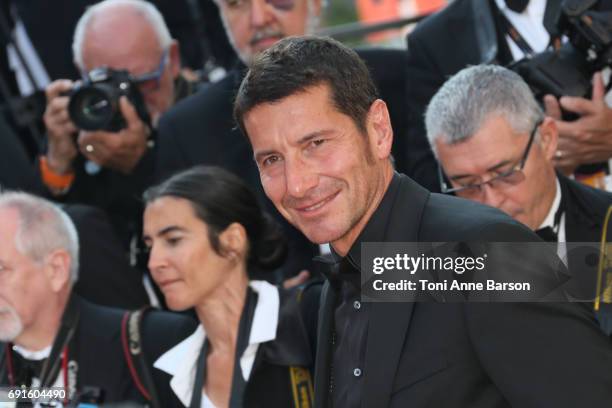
(131, 341)
(58, 358)
(514, 34)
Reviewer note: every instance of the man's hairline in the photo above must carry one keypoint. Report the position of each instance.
(445, 139)
(322, 83)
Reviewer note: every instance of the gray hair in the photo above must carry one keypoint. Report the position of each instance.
(143, 8)
(462, 105)
(43, 228)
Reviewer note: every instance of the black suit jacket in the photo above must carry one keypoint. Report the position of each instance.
(470, 354)
(585, 212)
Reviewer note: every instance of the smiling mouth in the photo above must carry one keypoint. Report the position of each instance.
(307, 210)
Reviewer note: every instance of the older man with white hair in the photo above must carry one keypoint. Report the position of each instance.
(51, 338)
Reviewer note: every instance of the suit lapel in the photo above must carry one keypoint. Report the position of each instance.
(389, 322)
(581, 224)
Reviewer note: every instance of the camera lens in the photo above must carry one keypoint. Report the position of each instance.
(92, 107)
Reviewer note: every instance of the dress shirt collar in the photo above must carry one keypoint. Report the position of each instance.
(181, 360)
(374, 231)
(552, 218)
(32, 355)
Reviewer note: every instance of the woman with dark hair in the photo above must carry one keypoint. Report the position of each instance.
(206, 231)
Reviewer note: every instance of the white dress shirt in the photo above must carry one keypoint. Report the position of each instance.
(549, 221)
(181, 360)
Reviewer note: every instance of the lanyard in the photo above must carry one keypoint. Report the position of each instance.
(238, 382)
(59, 355)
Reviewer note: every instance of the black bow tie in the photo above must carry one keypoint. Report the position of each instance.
(517, 5)
(547, 234)
(338, 270)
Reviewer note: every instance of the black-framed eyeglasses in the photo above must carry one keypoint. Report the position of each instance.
(150, 81)
(506, 178)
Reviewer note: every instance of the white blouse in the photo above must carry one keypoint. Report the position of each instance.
(181, 360)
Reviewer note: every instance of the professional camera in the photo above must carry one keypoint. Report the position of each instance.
(94, 104)
(567, 69)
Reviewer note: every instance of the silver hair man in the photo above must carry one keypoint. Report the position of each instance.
(42, 228)
(468, 99)
(148, 11)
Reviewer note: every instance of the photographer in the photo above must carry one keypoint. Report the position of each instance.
(108, 166)
(50, 337)
(479, 33)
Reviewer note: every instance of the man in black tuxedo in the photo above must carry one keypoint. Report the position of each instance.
(50, 337)
(322, 140)
(470, 32)
(496, 147)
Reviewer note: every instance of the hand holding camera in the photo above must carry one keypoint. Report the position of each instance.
(587, 139)
(109, 114)
(60, 128)
(120, 150)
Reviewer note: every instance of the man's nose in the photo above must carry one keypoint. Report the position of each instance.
(260, 13)
(492, 196)
(300, 178)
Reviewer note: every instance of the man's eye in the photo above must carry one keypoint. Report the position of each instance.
(235, 3)
(467, 182)
(318, 142)
(270, 160)
(173, 241)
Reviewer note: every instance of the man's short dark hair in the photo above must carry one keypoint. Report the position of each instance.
(295, 64)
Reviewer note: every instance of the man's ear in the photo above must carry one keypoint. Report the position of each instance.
(174, 59)
(234, 240)
(548, 137)
(380, 130)
(57, 269)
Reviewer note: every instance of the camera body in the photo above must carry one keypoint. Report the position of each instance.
(567, 70)
(94, 103)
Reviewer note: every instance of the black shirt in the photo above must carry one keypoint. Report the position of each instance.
(351, 317)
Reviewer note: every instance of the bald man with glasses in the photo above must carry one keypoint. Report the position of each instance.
(494, 145)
